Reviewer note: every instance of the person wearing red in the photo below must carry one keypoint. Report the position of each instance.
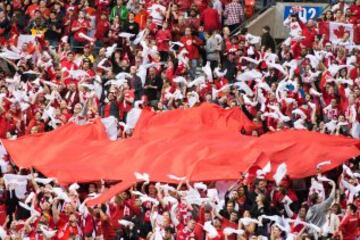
(68, 20)
(284, 193)
(184, 5)
(210, 18)
(309, 32)
(355, 12)
(231, 223)
(191, 44)
(102, 7)
(70, 229)
(66, 66)
(117, 210)
(5, 27)
(349, 225)
(32, 8)
(35, 122)
(79, 28)
(218, 226)
(163, 36)
(187, 232)
(102, 29)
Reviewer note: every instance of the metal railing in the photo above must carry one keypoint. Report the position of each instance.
(260, 7)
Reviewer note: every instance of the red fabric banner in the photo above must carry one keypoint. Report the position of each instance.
(203, 144)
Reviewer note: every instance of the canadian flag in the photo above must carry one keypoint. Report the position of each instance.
(341, 32)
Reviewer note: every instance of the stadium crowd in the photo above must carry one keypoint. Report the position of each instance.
(75, 60)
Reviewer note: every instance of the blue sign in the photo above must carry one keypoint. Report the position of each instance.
(305, 14)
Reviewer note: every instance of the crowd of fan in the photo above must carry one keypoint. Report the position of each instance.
(75, 60)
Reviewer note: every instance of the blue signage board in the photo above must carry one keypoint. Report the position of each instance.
(306, 14)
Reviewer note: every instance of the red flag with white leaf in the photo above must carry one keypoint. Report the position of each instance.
(341, 32)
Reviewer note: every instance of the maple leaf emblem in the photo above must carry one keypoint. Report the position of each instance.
(340, 32)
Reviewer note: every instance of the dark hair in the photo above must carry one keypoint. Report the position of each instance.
(217, 218)
(267, 28)
(352, 207)
(230, 201)
(313, 198)
(170, 230)
(244, 31)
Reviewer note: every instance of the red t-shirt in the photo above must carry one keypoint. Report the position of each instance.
(349, 226)
(102, 27)
(162, 39)
(31, 9)
(226, 223)
(191, 45)
(184, 234)
(84, 26)
(210, 19)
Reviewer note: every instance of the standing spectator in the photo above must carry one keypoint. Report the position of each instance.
(193, 20)
(68, 20)
(349, 225)
(210, 19)
(217, 4)
(135, 83)
(4, 27)
(45, 11)
(53, 33)
(30, 10)
(111, 108)
(317, 212)
(234, 15)
(267, 40)
(80, 28)
(102, 29)
(131, 26)
(230, 66)
(191, 44)
(163, 37)
(213, 48)
(119, 10)
(141, 16)
(102, 7)
(152, 87)
(37, 26)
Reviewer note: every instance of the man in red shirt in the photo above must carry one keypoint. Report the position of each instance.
(187, 232)
(210, 18)
(349, 225)
(191, 44)
(102, 29)
(163, 36)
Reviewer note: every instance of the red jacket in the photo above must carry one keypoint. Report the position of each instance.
(210, 19)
